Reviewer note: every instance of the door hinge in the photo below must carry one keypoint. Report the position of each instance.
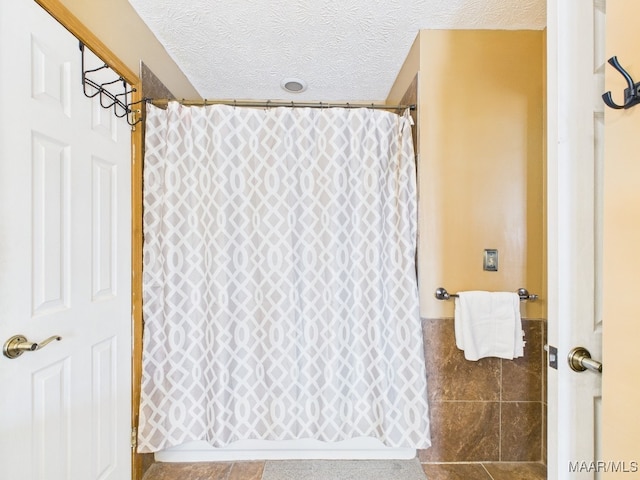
(134, 437)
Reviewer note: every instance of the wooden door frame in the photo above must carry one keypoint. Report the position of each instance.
(68, 20)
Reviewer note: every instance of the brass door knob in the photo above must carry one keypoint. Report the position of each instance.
(18, 344)
(580, 360)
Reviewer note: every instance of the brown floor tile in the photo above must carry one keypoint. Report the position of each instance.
(455, 471)
(434, 471)
(517, 471)
(246, 471)
(146, 460)
(188, 471)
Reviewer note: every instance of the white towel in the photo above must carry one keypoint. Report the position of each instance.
(488, 324)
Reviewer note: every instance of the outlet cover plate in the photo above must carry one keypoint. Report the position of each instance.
(490, 263)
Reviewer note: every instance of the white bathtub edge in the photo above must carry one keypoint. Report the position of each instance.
(362, 448)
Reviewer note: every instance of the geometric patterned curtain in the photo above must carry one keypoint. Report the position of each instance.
(280, 296)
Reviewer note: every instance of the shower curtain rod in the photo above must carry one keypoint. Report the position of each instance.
(162, 102)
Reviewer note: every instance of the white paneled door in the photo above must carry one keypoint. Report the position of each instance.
(575, 65)
(64, 261)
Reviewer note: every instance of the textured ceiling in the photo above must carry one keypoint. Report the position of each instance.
(346, 50)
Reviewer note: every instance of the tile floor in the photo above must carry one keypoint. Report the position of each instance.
(434, 471)
(485, 471)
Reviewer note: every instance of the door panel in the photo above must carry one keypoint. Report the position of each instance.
(65, 247)
(575, 164)
(575, 58)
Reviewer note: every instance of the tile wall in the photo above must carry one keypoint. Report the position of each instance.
(491, 410)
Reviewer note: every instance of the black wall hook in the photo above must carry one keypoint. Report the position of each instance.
(631, 93)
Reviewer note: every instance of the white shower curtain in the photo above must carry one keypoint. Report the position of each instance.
(280, 296)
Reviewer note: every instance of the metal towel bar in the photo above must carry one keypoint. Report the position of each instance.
(523, 293)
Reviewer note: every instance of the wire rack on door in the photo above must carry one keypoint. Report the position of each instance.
(119, 102)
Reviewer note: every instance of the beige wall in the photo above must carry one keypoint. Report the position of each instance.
(621, 333)
(117, 24)
(481, 161)
(480, 169)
